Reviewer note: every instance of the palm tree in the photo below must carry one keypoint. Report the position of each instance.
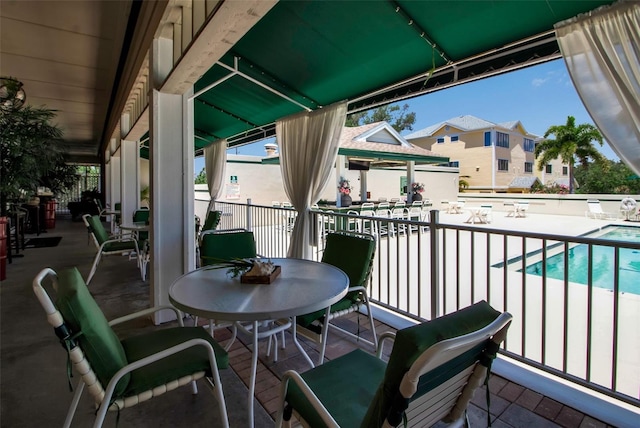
(570, 142)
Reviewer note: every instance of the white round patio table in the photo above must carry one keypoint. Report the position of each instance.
(303, 286)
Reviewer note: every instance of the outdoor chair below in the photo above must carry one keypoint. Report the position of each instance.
(110, 245)
(432, 372)
(122, 373)
(352, 252)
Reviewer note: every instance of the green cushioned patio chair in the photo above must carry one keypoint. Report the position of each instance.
(142, 216)
(212, 221)
(433, 370)
(122, 373)
(218, 246)
(109, 245)
(224, 245)
(352, 252)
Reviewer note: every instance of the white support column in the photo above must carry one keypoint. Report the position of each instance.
(107, 179)
(130, 196)
(363, 185)
(171, 160)
(411, 166)
(340, 160)
(114, 190)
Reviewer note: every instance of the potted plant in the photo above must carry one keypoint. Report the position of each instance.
(345, 192)
(417, 189)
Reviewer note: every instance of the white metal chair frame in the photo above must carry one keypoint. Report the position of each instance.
(329, 316)
(447, 402)
(102, 396)
(113, 239)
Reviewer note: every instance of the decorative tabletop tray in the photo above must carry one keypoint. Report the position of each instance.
(261, 279)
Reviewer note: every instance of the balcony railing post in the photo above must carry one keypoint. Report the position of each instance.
(434, 242)
(249, 217)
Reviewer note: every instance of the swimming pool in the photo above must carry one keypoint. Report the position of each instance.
(602, 262)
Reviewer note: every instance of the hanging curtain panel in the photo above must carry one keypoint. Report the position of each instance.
(308, 148)
(215, 162)
(602, 53)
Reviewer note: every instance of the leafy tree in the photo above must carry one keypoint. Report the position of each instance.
(609, 177)
(30, 153)
(201, 178)
(570, 142)
(398, 117)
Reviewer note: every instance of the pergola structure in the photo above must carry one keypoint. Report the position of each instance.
(190, 72)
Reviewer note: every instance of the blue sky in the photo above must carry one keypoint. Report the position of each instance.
(538, 96)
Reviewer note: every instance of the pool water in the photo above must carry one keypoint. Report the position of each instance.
(602, 262)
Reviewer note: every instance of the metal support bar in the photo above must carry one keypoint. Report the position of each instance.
(262, 85)
(435, 263)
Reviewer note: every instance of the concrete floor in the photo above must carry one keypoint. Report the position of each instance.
(33, 386)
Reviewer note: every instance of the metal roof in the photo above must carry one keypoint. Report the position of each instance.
(381, 145)
(466, 123)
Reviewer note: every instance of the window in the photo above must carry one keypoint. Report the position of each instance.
(502, 139)
(454, 138)
(528, 167)
(565, 170)
(487, 139)
(548, 169)
(503, 165)
(454, 164)
(440, 140)
(529, 145)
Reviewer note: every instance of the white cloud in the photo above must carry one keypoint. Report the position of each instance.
(537, 82)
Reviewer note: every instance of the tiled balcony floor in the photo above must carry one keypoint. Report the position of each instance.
(34, 388)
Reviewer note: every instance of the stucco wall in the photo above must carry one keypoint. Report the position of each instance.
(549, 203)
(263, 183)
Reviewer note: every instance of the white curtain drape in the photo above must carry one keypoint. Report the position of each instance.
(602, 53)
(215, 163)
(308, 144)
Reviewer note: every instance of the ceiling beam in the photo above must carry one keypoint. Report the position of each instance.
(224, 29)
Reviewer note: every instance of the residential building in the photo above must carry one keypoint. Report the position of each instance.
(492, 157)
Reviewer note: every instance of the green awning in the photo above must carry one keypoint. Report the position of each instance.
(370, 52)
(320, 52)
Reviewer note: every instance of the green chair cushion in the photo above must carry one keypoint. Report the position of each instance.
(98, 229)
(352, 254)
(218, 247)
(411, 342)
(184, 363)
(119, 246)
(345, 386)
(141, 216)
(212, 220)
(82, 314)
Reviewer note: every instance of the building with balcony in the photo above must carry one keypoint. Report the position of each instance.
(492, 157)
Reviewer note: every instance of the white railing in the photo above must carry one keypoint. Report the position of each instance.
(424, 269)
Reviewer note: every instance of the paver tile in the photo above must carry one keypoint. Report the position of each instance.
(548, 408)
(511, 391)
(569, 418)
(518, 416)
(529, 399)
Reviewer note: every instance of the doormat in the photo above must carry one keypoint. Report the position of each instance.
(49, 241)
